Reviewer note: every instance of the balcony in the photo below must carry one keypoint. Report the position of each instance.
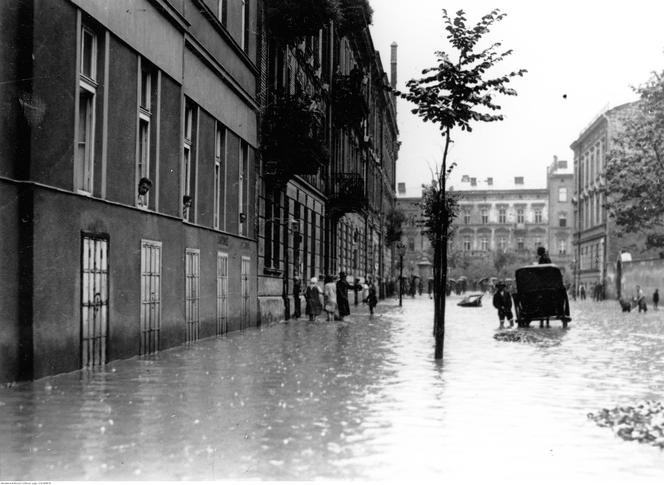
(348, 194)
(293, 137)
(349, 101)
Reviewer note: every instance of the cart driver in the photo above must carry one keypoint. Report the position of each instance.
(502, 300)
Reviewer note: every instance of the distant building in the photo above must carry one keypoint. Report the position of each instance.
(597, 246)
(492, 220)
(560, 186)
(496, 219)
(418, 258)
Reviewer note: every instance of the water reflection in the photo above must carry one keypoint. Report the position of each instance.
(361, 399)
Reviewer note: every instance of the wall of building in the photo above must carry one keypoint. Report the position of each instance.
(189, 54)
(10, 257)
(57, 273)
(646, 273)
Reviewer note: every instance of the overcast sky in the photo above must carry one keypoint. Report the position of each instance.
(592, 51)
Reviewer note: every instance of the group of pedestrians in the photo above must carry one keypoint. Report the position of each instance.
(334, 297)
(640, 299)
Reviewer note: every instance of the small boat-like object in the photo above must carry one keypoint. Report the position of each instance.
(472, 300)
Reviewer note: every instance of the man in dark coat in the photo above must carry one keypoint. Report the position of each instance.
(543, 257)
(342, 296)
(502, 300)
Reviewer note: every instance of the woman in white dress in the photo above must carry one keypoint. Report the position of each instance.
(330, 293)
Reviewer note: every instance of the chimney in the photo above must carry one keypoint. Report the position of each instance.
(393, 63)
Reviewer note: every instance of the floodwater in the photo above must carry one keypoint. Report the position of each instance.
(362, 399)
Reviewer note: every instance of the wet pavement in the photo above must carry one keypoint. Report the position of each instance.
(361, 399)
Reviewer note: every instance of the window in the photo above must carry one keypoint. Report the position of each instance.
(562, 220)
(88, 54)
(219, 156)
(411, 244)
(243, 190)
(520, 244)
(245, 26)
(473, 181)
(562, 194)
(466, 244)
(144, 119)
(489, 181)
(502, 243)
(538, 216)
(222, 12)
(502, 216)
(484, 243)
(518, 180)
(187, 161)
(562, 247)
(87, 90)
(520, 219)
(466, 216)
(485, 216)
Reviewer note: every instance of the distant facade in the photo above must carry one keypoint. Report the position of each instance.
(496, 220)
(418, 258)
(560, 187)
(328, 184)
(597, 244)
(506, 220)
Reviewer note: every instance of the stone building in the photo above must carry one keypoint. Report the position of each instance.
(330, 150)
(560, 187)
(597, 244)
(494, 220)
(128, 170)
(498, 218)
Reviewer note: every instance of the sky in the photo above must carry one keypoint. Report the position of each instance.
(589, 50)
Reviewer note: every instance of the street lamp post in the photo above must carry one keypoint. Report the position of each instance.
(402, 251)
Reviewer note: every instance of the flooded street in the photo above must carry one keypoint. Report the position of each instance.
(362, 399)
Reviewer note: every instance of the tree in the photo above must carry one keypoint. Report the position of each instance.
(456, 92)
(635, 167)
(394, 222)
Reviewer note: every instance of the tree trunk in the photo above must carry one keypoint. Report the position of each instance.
(440, 284)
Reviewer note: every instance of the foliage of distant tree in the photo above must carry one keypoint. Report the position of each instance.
(635, 167)
(456, 92)
(355, 15)
(394, 222)
(292, 20)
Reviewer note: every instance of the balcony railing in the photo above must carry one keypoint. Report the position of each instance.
(348, 193)
(293, 136)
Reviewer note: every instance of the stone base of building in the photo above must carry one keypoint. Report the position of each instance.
(271, 309)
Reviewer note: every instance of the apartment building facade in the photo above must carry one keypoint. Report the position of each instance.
(328, 178)
(127, 178)
(598, 243)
